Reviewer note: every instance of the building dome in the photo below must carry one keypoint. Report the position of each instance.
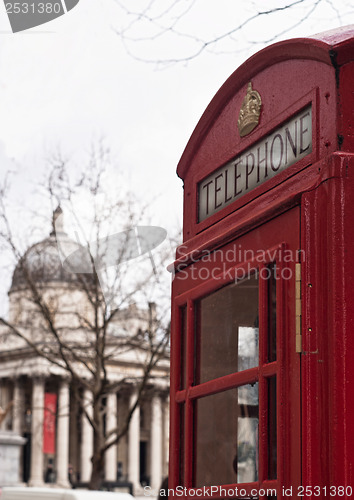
(42, 264)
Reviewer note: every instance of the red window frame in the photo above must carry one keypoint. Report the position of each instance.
(286, 368)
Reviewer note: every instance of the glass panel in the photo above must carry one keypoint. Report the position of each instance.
(227, 437)
(272, 313)
(272, 428)
(183, 312)
(229, 330)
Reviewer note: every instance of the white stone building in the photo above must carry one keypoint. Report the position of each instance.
(27, 379)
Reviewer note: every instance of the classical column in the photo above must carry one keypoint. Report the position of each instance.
(111, 423)
(134, 444)
(63, 434)
(18, 407)
(86, 438)
(18, 415)
(156, 443)
(2, 392)
(36, 478)
(4, 403)
(74, 455)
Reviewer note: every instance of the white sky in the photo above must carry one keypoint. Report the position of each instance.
(69, 82)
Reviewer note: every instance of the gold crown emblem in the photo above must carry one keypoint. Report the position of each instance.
(250, 110)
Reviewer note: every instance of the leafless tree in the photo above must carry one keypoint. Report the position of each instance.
(222, 27)
(100, 284)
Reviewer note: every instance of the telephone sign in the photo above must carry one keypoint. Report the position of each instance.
(272, 154)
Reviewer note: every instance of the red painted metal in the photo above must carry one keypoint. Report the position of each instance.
(310, 207)
(190, 289)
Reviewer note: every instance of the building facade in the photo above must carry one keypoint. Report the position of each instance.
(50, 409)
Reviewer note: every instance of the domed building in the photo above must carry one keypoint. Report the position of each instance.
(41, 268)
(51, 307)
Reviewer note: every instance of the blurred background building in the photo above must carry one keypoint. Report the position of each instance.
(40, 396)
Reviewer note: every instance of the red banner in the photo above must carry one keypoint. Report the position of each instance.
(49, 428)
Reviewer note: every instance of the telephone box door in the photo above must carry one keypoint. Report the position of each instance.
(235, 394)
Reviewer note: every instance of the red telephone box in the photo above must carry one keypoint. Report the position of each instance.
(262, 374)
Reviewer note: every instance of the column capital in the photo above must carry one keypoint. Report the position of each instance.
(158, 392)
(65, 379)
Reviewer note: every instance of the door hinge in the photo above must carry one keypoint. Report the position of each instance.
(298, 335)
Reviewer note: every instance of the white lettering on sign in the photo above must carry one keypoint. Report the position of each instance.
(276, 152)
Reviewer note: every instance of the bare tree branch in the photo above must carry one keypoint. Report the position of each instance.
(159, 20)
(99, 331)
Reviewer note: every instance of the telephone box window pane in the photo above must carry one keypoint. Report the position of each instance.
(227, 437)
(272, 427)
(272, 313)
(229, 330)
(183, 313)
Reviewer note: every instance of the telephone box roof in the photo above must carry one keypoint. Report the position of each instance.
(334, 48)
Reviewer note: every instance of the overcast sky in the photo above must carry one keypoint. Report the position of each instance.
(71, 81)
